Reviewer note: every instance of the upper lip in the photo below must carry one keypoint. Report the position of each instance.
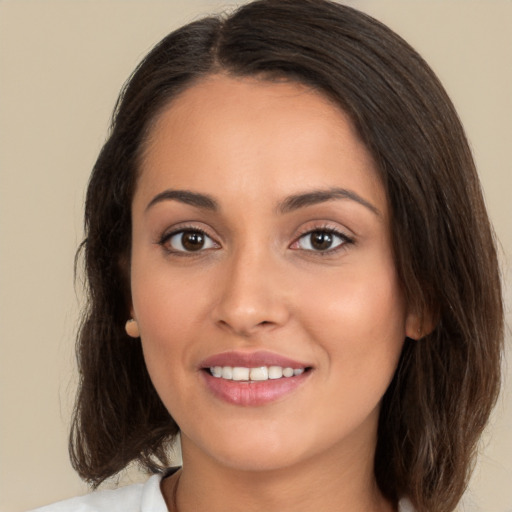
(251, 360)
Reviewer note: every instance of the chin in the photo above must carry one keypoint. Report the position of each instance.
(243, 448)
(260, 460)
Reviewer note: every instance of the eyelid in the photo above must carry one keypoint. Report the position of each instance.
(326, 228)
(176, 230)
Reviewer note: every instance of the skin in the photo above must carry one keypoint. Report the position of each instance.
(258, 284)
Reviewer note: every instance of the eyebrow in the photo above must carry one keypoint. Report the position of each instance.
(290, 204)
(187, 197)
(297, 201)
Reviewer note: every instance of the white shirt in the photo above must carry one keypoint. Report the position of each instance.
(132, 498)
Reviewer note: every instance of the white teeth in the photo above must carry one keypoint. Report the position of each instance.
(287, 372)
(240, 373)
(227, 372)
(275, 372)
(260, 373)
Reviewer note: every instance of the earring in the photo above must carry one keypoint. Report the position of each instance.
(418, 336)
(132, 328)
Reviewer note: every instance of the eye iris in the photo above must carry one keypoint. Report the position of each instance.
(192, 240)
(321, 240)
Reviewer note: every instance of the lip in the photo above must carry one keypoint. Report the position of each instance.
(252, 393)
(252, 360)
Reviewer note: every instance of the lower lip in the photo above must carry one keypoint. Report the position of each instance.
(253, 393)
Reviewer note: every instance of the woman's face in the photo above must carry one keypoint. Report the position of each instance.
(261, 242)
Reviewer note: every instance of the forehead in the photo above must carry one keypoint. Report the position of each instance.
(248, 136)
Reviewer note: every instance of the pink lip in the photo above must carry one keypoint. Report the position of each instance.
(251, 360)
(254, 393)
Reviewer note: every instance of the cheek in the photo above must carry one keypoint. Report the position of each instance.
(358, 317)
(168, 321)
(164, 300)
(168, 309)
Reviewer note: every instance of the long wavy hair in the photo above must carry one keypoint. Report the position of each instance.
(446, 383)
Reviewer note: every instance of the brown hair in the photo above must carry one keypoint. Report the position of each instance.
(446, 383)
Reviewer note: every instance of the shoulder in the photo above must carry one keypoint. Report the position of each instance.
(145, 497)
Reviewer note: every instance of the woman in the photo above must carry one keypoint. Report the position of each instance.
(290, 264)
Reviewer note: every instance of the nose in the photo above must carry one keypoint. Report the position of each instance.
(252, 296)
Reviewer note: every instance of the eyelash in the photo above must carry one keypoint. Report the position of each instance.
(166, 237)
(345, 240)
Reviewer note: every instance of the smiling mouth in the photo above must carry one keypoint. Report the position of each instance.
(254, 374)
(253, 379)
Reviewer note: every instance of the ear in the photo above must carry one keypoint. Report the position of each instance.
(419, 325)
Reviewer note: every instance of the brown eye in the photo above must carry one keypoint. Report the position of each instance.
(190, 240)
(321, 240)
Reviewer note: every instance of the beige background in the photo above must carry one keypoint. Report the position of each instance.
(62, 64)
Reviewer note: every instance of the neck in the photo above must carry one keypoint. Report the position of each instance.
(327, 482)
